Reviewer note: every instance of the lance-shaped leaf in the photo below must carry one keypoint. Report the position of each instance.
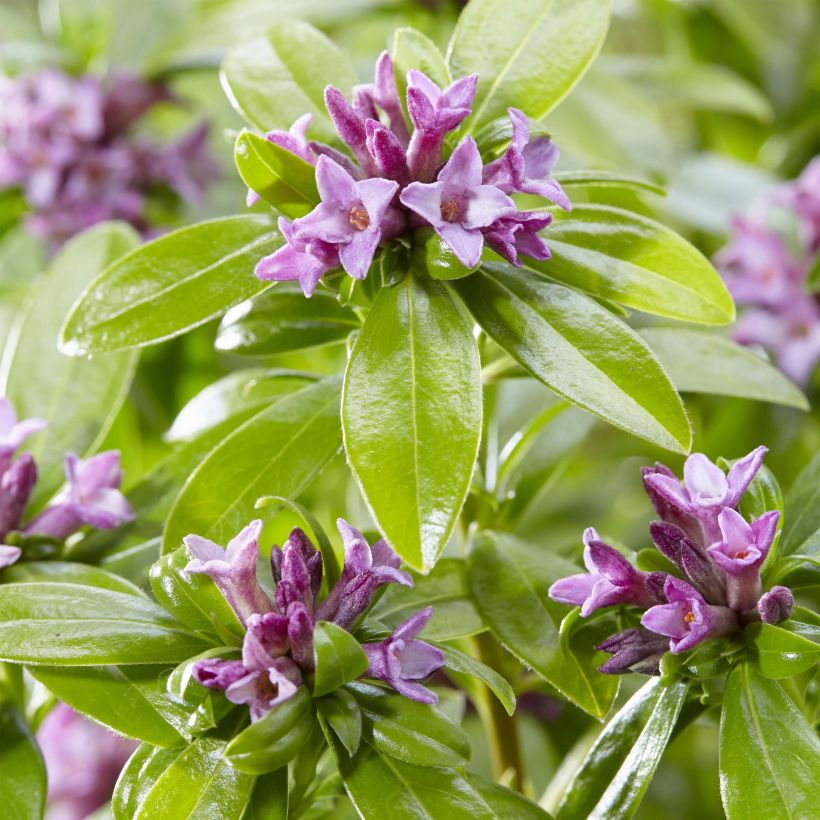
(785, 650)
(79, 398)
(413, 50)
(411, 414)
(580, 350)
(769, 754)
(279, 451)
(138, 776)
(340, 710)
(619, 767)
(22, 770)
(339, 658)
(802, 527)
(512, 46)
(170, 285)
(458, 661)
(275, 79)
(65, 572)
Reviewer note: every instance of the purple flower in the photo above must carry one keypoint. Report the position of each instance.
(458, 205)
(13, 432)
(350, 125)
(214, 673)
(266, 638)
(387, 152)
(127, 99)
(299, 544)
(611, 580)
(16, 485)
(741, 553)
(802, 197)
(401, 660)
(91, 497)
(633, 650)
(517, 234)
(526, 165)
(434, 113)
(295, 139)
(187, 165)
(8, 555)
(776, 605)
(353, 215)
(687, 619)
(233, 569)
(300, 635)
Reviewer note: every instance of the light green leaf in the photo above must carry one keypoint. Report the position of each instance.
(138, 776)
(467, 665)
(785, 650)
(65, 572)
(802, 519)
(411, 414)
(22, 770)
(580, 350)
(513, 46)
(170, 285)
(342, 713)
(605, 179)
(412, 49)
(339, 658)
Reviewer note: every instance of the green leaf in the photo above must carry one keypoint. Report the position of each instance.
(341, 712)
(22, 770)
(785, 650)
(410, 731)
(138, 776)
(813, 275)
(634, 261)
(200, 782)
(193, 599)
(170, 285)
(279, 451)
(512, 46)
(270, 797)
(339, 658)
(445, 589)
(412, 49)
(411, 414)
(129, 700)
(606, 179)
(502, 569)
(79, 398)
(802, 519)
(275, 79)
(580, 350)
(617, 770)
(274, 740)
(701, 362)
(462, 662)
(74, 625)
(280, 177)
(769, 754)
(505, 803)
(282, 320)
(64, 572)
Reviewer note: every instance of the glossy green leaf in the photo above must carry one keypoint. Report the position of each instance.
(74, 625)
(338, 655)
(270, 797)
(22, 770)
(170, 285)
(445, 589)
(505, 803)
(802, 519)
(274, 740)
(280, 177)
(632, 260)
(785, 650)
(138, 776)
(279, 451)
(64, 572)
(605, 179)
(502, 569)
(341, 712)
(275, 79)
(512, 46)
(580, 350)
(701, 362)
(411, 414)
(410, 731)
(129, 700)
(412, 49)
(233, 395)
(769, 754)
(79, 398)
(199, 783)
(281, 320)
(466, 664)
(617, 770)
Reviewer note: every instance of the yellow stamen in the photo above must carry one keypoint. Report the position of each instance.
(689, 617)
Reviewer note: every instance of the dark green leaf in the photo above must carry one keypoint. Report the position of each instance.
(22, 771)
(170, 285)
(342, 713)
(339, 658)
(270, 797)
(505, 803)
(411, 413)
(785, 650)
(461, 662)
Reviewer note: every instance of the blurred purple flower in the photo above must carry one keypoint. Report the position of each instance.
(16, 485)
(9, 555)
(13, 432)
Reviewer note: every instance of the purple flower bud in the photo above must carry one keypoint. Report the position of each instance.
(356, 598)
(387, 152)
(295, 139)
(633, 650)
(741, 553)
(458, 205)
(266, 638)
(8, 555)
(300, 634)
(511, 236)
(16, 485)
(262, 689)
(687, 619)
(401, 660)
(776, 605)
(350, 125)
(526, 165)
(91, 497)
(386, 96)
(312, 558)
(611, 580)
(233, 569)
(13, 433)
(215, 673)
(295, 582)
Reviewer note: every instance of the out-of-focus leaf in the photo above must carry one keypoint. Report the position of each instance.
(22, 770)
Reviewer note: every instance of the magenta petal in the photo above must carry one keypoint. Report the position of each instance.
(667, 619)
(465, 244)
(736, 532)
(573, 590)
(375, 194)
(8, 555)
(742, 472)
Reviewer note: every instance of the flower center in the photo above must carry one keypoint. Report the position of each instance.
(265, 688)
(689, 617)
(742, 554)
(358, 218)
(450, 210)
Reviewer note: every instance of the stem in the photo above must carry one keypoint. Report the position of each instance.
(502, 732)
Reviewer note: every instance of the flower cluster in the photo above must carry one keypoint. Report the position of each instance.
(65, 142)
(91, 495)
(397, 182)
(277, 649)
(717, 555)
(767, 272)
